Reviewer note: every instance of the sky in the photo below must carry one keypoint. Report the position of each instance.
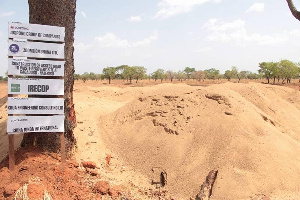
(173, 34)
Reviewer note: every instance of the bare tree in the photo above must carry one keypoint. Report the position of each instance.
(57, 13)
(293, 9)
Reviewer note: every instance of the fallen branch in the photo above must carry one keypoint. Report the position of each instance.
(206, 188)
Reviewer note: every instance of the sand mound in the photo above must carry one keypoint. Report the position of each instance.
(249, 132)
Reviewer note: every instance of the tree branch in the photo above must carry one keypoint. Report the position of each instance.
(293, 9)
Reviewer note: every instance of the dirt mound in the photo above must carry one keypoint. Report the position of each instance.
(250, 133)
(129, 135)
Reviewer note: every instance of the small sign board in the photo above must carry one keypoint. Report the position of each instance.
(25, 124)
(35, 105)
(36, 32)
(35, 86)
(35, 49)
(27, 67)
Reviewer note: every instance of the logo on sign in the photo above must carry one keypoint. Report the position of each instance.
(14, 48)
(15, 87)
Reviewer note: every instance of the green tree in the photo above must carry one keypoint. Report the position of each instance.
(109, 73)
(180, 75)
(85, 76)
(139, 72)
(288, 70)
(252, 75)
(239, 75)
(266, 70)
(235, 72)
(244, 74)
(188, 71)
(76, 77)
(120, 69)
(275, 69)
(128, 73)
(285, 69)
(92, 76)
(158, 74)
(212, 73)
(228, 75)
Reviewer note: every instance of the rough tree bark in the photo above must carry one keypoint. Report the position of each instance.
(57, 13)
(293, 9)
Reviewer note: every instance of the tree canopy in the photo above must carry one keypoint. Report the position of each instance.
(284, 69)
(158, 74)
(110, 73)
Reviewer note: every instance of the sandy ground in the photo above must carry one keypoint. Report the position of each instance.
(250, 132)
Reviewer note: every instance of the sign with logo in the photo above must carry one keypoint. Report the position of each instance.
(36, 32)
(46, 44)
(27, 67)
(15, 87)
(35, 86)
(25, 124)
(35, 105)
(36, 49)
(14, 48)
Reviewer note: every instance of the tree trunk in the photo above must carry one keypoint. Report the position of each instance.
(108, 80)
(57, 13)
(293, 9)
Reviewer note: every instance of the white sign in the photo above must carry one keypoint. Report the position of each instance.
(25, 124)
(26, 67)
(36, 32)
(35, 105)
(35, 86)
(36, 49)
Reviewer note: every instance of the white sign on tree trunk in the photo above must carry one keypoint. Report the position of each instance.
(27, 67)
(35, 105)
(52, 48)
(36, 49)
(36, 32)
(25, 124)
(35, 86)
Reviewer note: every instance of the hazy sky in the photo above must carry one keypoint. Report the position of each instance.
(173, 34)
